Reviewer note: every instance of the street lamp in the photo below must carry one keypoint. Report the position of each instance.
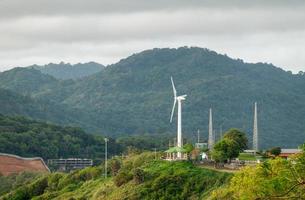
(106, 140)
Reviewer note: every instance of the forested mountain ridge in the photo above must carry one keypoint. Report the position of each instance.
(30, 138)
(67, 71)
(135, 95)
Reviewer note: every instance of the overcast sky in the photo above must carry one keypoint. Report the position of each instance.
(44, 31)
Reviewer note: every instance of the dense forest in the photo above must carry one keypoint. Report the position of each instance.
(29, 138)
(134, 96)
(67, 71)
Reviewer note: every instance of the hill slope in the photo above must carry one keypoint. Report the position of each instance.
(67, 71)
(140, 177)
(135, 95)
(29, 138)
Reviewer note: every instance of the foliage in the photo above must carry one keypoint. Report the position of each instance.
(273, 179)
(29, 138)
(275, 151)
(188, 147)
(115, 166)
(140, 177)
(122, 178)
(239, 138)
(146, 142)
(14, 181)
(134, 95)
(233, 142)
(68, 71)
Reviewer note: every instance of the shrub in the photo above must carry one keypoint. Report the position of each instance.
(122, 178)
(138, 176)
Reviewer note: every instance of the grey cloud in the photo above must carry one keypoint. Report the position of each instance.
(19, 8)
(41, 31)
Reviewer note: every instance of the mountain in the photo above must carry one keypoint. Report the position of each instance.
(26, 81)
(134, 96)
(67, 71)
(15, 104)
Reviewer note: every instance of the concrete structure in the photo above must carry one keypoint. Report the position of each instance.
(211, 135)
(285, 153)
(69, 164)
(13, 164)
(201, 145)
(255, 131)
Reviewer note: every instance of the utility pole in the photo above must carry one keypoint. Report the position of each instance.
(155, 153)
(106, 140)
(255, 131)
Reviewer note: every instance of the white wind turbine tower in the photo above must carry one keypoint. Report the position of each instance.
(178, 99)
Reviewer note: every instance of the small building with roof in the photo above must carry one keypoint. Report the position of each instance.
(285, 153)
(172, 153)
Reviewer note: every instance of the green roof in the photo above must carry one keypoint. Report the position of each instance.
(175, 150)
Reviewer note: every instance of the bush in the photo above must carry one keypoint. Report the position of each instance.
(138, 176)
(115, 166)
(122, 178)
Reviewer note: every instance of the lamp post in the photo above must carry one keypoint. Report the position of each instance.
(106, 140)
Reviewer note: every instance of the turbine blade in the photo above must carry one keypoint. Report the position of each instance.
(174, 89)
(173, 110)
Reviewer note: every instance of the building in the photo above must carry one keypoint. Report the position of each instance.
(13, 164)
(201, 145)
(69, 164)
(285, 153)
(172, 154)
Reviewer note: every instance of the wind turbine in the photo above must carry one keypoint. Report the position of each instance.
(178, 99)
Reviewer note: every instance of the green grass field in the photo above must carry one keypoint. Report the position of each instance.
(246, 156)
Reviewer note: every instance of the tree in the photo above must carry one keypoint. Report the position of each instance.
(274, 179)
(225, 149)
(275, 151)
(237, 136)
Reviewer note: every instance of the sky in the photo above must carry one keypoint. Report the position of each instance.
(105, 31)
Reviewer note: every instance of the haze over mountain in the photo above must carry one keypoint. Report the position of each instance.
(134, 96)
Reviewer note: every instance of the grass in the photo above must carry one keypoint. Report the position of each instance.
(246, 156)
(162, 180)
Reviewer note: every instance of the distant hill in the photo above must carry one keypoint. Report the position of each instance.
(25, 82)
(14, 104)
(134, 96)
(67, 71)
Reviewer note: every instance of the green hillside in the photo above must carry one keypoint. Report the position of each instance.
(29, 138)
(67, 71)
(136, 177)
(134, 96)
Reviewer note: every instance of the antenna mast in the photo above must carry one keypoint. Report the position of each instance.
(255, 131)
(211, 137)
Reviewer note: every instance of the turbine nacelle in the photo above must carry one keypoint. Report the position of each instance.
(181, 98)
